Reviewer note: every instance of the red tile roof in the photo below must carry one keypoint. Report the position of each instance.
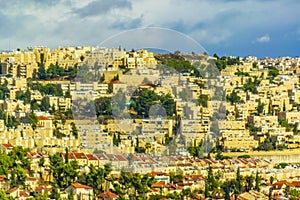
(79, 185)
(7, 146)
(159, 174)
(295, 184)
(79, 155)
(70, 155)
(2, 178)
(116, 157)
(44, 187)
(24, 194)
(101, 156)
(159, 184)
(11, 190)
(41, 118)
(107, 195)
(91, 157)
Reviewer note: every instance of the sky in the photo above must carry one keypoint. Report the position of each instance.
(226, 27)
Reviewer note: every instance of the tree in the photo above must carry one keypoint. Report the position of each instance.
(285, 123)
(96, 177)
(5, 163)
(18, 176)
(133, 185)
(55, 192)
(34, 105)
(74, 130)
(42, 73)
(250, 86)
(202, 100)
(33, 120)
(41, 165)
(186, 193)
(295, 128)
(3, 195)
(70, 172)
(273, 72)
(211, 182)
(103, 106)
(175, 178)
(234, 98)
(142, 101)
(195, 151)
(226, 189)
(206, 190)
(249, 182)
(257, 182)
(219, 156)
(168, 103)
(18, 156)
(24, 96)
(260, 108)
(45, 105)
(115, 140)
(57, 168)
(238, 184)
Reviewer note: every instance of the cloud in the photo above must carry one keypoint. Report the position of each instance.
(263, 39)
(99, 7)
(214, 24)
(127, 23)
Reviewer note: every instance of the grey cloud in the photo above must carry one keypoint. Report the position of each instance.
(46, 2)
(14, 25)
(99, 7)
(127, 24)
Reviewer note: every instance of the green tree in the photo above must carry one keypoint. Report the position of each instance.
(42, 73)
(115, 140)
(203, 99)
(234, 98)
(206, 189)
(55, 192)
(226, 189)
(103, 106)
(57, 169)
(295, 128)
(238, 183)
(18, 177)
(3, 195)
(168, 103)
(186, 193)
(5, 163)
(175, 178)
(249, 182)
(285, 123)
(96, 177)
(19, 158)
(273, 72)
(24, 96)
(142, 102)
(70, 172)
(33, 119)
(260, 108)
(74, 130)
(45, 105)
(211, 181)
(257, 182)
